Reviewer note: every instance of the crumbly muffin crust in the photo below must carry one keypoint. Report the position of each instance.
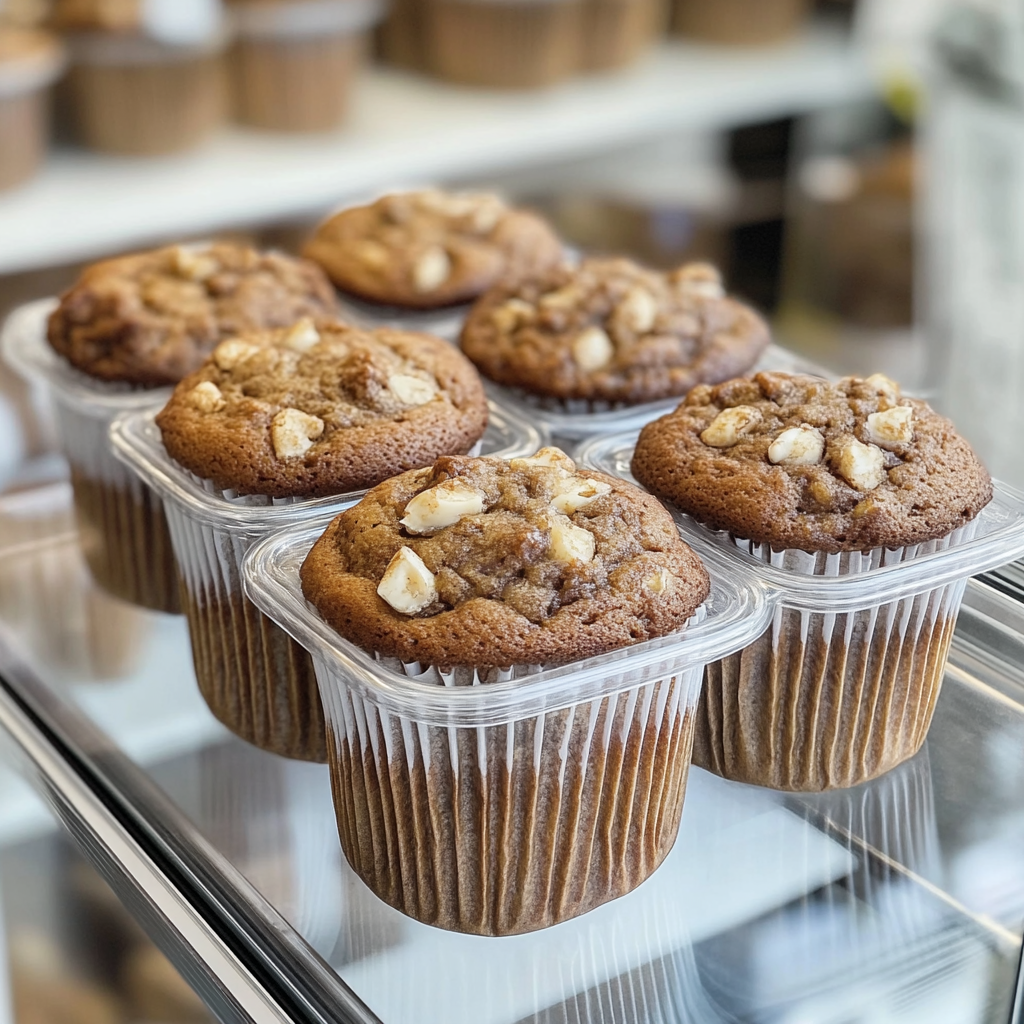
(798, 462)
(486, 563)
(152, 317)
(322, 408)
(428, 249)
(611, 330)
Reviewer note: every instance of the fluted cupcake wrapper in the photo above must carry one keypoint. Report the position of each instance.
(254, 677)
(827, 700)
(121, 522)
(503, 829)
(616, 32)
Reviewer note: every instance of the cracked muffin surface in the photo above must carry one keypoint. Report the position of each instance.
(798, 462)
(429, 249)
(150, 318)
(486, 563)
(322, 408)
(611, 330)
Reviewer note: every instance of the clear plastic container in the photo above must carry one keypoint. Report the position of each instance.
(120, 521)
(253, 677)
(568, 421)
(445, 323)
(503, 801)
(843, 685)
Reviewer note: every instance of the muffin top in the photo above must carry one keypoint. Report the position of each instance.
(150, 318)
(798, 462)
(487, 563)
(613, 331)
(424, 250)
(322, 408)
(28, 51)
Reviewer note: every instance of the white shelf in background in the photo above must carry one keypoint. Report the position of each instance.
(408, 129)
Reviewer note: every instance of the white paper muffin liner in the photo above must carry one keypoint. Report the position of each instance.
(825, 700)
(502, 829)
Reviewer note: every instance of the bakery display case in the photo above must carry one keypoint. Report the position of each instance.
(898, 900)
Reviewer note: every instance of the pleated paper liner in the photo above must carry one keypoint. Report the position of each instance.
(617, 32)
(739, 22)
(522, 44)
(504, 801)
(255, 679)
(294, 64)
(842, 686)
(121, 522)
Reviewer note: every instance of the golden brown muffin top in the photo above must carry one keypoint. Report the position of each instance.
(488, 563)
(797, 462)
(322, 408)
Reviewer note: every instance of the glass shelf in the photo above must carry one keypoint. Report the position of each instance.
(899, 901)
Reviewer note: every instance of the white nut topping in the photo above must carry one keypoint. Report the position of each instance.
(441, 506)
(886, 388)
(431, 270)
(292, 432)
(862, 466)
(411, 390)
(660, 581)
(207, 397)
(592, 349)
(730, 425)
(228, 354)
(371, 253)
(699, 279)
(407, 585)
(797, 446)
(488, 211)
(302, 336)
(509, 315)
(564, 298)
(576, 492)
(571, 543)
(892, 427)
(193, 264)
(637, 310)
(550, 458)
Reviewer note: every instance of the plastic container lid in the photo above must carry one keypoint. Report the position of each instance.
(998, 538)
(25, 349)
(735, 613)
(580, 419)
(135, 439)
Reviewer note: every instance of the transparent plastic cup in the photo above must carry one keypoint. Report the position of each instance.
(502, 801)
(253, 677)
(121, 522)
(842, 686)
(445, 323)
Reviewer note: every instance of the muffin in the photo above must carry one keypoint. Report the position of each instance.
(612, 331)
(30, 62)
(317, 409)
(825, 480)
(140, 323)
(430, 249)
(294, 62)
(470, 572)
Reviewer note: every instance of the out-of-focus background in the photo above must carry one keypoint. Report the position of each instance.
(856, 167)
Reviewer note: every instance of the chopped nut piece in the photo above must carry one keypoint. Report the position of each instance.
(592, 349)
(571, 543)
(886, 388)
(553, 458)
(302, 336)
(862, 466)
(730, 425)
(411, 390)
(637, 310)
(699, 279)
(371, 253)
(798, 446)
(407, 585)
(489, 210)
(574, 493)
(193, 264)
(207, 397)
(292, 432)
(431, 270)
(230, 353)
(660, 581)
(864, 508)
(509, 315)
(892, 427)
(441, 506)
(563, 298)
